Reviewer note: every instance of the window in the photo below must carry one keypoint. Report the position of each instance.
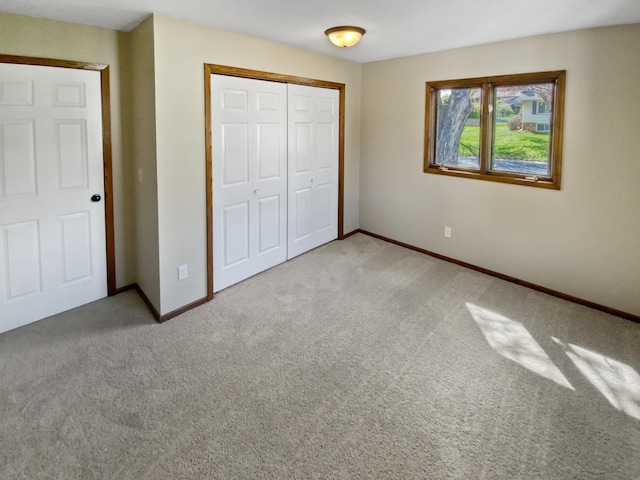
(539, 107)
(504, 129)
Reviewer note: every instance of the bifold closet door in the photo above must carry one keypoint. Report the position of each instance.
(275, 173)
(249, 148)
(313, 167)
(52, 214)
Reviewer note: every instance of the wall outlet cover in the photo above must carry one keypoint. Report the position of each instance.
(183, 272)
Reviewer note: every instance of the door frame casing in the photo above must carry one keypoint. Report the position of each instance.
(211, 69)
(105, 95)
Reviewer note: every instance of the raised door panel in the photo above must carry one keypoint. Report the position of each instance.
(233, 100)
(326, 146)
(236, 234)
(303, 147)
(324, 213)
(17, 159)
(303, 225)
(75, 246)
(16, 92)
(69, 94)
(20, 250)
(235, 151)
(70, 138)
(269, 223)
(269, 158)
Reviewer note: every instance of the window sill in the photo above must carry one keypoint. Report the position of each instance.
(495, 177)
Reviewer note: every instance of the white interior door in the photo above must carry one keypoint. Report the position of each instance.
(249, 147)
(313, 168)
(52, 235)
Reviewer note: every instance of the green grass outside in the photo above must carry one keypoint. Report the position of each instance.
(509, 145)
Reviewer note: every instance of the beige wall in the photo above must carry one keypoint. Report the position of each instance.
(181, 50)
(142, 122)
(35, 37)
(582, 240)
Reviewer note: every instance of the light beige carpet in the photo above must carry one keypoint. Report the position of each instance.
(359, 360)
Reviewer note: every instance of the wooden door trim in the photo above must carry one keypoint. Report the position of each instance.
(105, 94)
(211, 69)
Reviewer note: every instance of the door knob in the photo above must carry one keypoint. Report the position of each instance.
(313, 180)
(96, 198)
(256, 191)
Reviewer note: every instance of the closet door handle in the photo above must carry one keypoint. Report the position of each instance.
(313, 180)
(256, 191)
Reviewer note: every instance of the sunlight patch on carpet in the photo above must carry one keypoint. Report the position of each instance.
(618, 382)
(513, 341)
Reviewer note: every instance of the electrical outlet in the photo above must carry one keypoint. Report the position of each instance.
(447, 232)
(183, 272)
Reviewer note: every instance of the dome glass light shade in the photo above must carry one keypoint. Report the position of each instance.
(345, 36)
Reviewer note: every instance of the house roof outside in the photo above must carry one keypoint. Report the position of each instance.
(528, 95)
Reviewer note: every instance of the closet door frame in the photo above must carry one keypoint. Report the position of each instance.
(210, 69)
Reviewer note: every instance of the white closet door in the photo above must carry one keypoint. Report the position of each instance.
(52, 235)
(249, 147)
(313, 168)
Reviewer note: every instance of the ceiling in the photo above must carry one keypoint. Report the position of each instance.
(395, 28)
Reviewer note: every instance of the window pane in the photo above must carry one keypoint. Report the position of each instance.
(521, 123)
(458, 127)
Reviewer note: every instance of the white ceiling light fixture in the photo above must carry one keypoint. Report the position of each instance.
(345, 36)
